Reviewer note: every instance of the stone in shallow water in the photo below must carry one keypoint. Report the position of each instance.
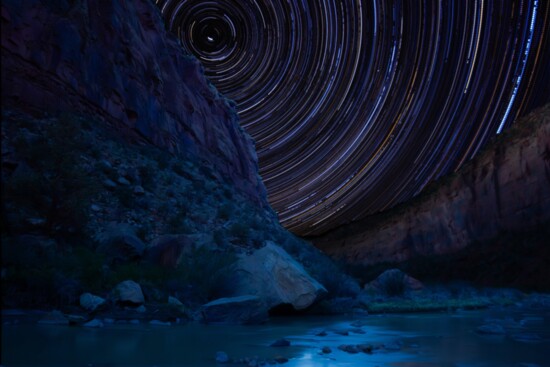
(281, 359)
(326, 350)
(76, 319)
(491, 329)
(392, 346)
(526, 337)
(141, 309)
(280, 343)
(160, 323)
(342, 332)
(348, 348)
(54, 318)
(221, 357)
(95, 323)
(365, 348)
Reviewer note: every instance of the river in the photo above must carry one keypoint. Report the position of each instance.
(411, 340)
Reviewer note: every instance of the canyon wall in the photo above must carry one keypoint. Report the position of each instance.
(506, 188)
(115, 60)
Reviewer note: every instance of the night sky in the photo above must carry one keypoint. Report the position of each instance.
(356, 105)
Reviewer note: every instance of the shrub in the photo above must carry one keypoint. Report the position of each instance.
(125, 196)
(147, 174)
(218, 237)
(180, 170)
(178, 224)
(239, 230)
(227, 193)
(56, 185)
(109, 171)
(224, 211)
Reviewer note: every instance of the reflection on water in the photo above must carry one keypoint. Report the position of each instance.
(410, 341)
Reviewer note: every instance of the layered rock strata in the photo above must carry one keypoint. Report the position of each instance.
(115, 60)
(505, 189)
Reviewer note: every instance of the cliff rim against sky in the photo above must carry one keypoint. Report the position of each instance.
(505, 189)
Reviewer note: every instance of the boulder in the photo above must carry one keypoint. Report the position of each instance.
(394, 282)
(90, 302)
(174, 301)
(280, 343)
(235, 310)
(76, 319)
(128, 292)
(349, 348)
(120, 243)
(491, 329)
(54, 318)
(160, 323)
(274, 276)
(95, 323)
(221, 357)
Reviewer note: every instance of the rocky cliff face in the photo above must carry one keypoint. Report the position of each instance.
(505, 189)
(86, 210)
(114, 59)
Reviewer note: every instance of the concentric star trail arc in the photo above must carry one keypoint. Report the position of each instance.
(357, 105)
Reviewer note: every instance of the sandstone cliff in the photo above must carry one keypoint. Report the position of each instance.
(115, 60)
(504, 189)
(94, 94)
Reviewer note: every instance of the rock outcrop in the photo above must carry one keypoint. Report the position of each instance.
(115, 60)
(94, 95)
(91, 302)
(273, 275)
(128, 292)
(505, 189)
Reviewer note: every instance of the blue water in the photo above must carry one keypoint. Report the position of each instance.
(412, 341)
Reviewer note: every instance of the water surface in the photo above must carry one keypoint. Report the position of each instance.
(411, 341)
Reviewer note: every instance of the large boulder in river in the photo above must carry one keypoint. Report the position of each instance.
(129, 292)
(274, 276)
(235, 310)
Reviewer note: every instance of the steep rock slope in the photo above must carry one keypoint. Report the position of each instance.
(95, 94)
(115, 60)
(505, 189)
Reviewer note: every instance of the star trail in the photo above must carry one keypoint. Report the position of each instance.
(355, 105)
